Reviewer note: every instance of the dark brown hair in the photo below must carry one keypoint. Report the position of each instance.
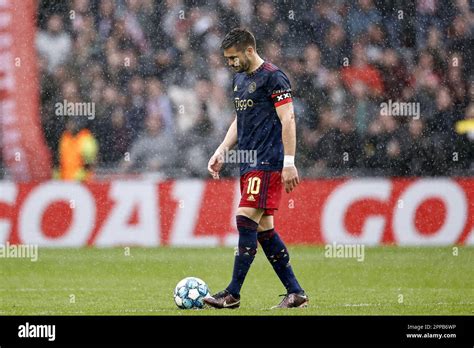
(239, 38)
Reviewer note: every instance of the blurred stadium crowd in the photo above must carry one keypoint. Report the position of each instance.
(162, 92)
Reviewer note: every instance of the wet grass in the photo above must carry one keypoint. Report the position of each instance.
(93, 281)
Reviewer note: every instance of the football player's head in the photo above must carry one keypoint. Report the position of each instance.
(239, 48)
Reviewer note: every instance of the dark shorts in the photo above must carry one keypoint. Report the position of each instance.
(262, 190)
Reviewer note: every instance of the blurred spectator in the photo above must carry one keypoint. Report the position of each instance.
(77, 152)
(135, 109)
(441, 128)
(312, 77)
(195, 158)
(395, 75)
(133, 19)
(323, 15)
(272, 52)
(462, 41)
(416, 150)
(265, 22)
(54, 43)
(105, 19)
(376, 42)
(154, 150)
(80, 15)
(335, 47)
(229, 14)
(116, 138)
(159, 103)
(424, 73)
(383, 146)
(362, 14)
(338, 151)
(465, 144)
(361, 72)
(426, 16)
(323, 140)
(436, 48)
(456, 84)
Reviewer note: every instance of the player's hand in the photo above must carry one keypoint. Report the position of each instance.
(289, 177)
(215, 165)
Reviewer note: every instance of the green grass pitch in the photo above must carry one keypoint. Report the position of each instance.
(92, 281)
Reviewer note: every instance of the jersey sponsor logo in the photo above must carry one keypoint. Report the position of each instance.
(252, 87)
(243, 104)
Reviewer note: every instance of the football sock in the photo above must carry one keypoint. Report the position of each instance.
(278, 255)
(245, 253)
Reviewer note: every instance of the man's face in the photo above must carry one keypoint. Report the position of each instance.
(238, 60)
(55, 24)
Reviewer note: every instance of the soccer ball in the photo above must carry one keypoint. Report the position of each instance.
(190, 293)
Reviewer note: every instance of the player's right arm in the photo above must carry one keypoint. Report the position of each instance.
(217, 160)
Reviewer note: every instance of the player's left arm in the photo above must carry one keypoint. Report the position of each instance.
(288, 132)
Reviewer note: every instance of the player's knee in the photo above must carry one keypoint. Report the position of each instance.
(251, 213)
(265, 223)
(265, 235)
(247, 236)
(246, 224)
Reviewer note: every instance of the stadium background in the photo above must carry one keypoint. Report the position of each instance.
(160, 61)
(401, 186)
(161, 95)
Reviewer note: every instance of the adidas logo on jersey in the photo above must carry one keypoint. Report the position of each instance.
(251, 198)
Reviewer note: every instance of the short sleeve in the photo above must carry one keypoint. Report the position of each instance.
(280, 88)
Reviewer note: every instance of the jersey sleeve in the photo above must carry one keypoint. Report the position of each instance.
(280, 88)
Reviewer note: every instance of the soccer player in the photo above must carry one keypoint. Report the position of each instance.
(265, 123)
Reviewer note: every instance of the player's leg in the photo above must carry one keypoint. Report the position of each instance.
(247, 222)
(279, 257)
(273, 246)
(248, 216)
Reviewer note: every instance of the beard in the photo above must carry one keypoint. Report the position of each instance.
(243, 66)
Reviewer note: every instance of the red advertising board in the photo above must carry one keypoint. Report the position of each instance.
(373, 211)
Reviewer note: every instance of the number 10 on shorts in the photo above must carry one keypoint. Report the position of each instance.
(254, 185)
